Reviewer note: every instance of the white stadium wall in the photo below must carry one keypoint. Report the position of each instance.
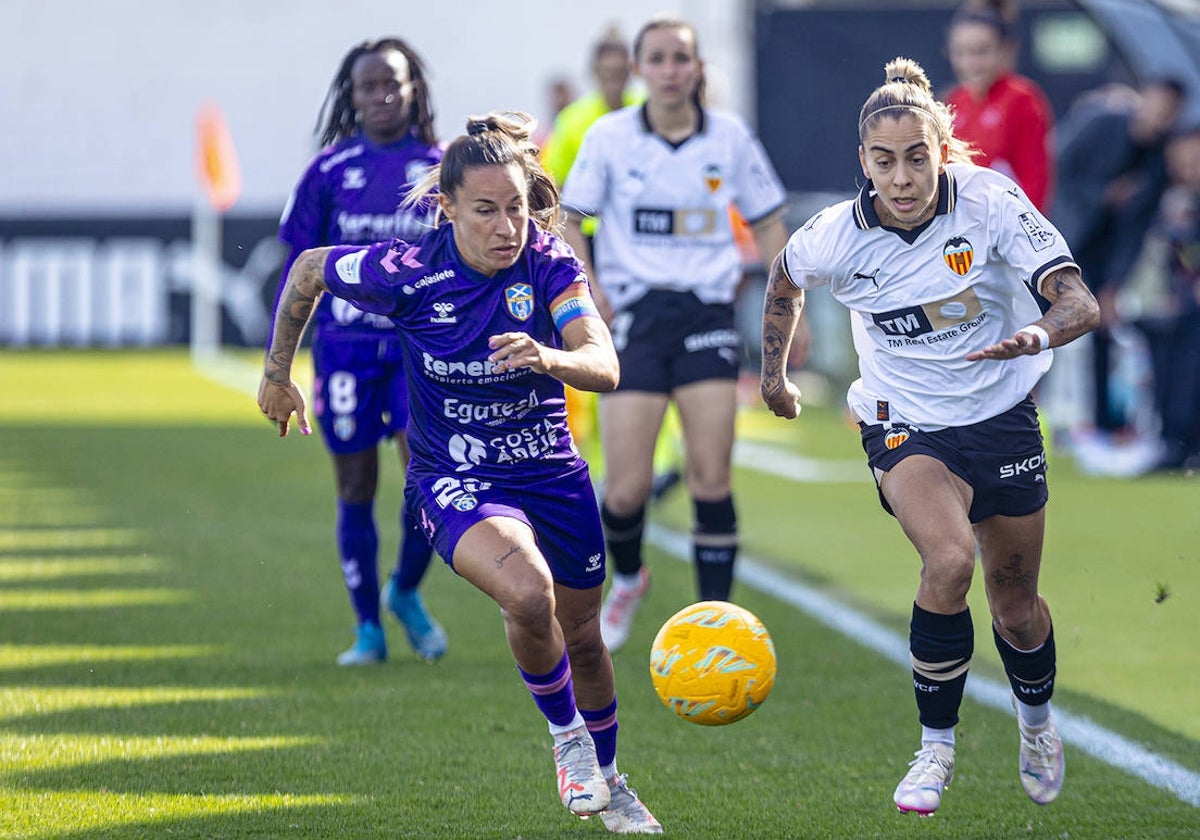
(100, 101)
(100, 97)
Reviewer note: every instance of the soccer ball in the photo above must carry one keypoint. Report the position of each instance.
(712, 663)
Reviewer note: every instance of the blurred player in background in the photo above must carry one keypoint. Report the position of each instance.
(497, 315)
(937, 260)
(661, 177)
(560, 93)
(611, 72)
(377, 128)
(1004, 115)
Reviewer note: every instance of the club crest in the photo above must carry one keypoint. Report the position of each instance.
(958, 254)
(712, 177)
(519, 299)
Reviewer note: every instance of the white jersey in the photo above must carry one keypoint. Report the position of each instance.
(665, 209)
(921, 300)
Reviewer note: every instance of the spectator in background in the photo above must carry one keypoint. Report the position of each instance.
(1005, 116)
(560, 93)
(610, 69)
(1112, 173)
(1175, 344)
(377, 126)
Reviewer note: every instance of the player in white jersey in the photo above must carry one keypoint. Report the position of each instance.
(941, 264)
(662, 177)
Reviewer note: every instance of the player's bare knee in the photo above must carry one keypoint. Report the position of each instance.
(356, 481)
(1019, 621)
(949, 572)
(626, 500)
(531, 606)
(707, 487)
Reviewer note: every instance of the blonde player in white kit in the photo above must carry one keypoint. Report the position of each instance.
(942, 265)
(662, 177)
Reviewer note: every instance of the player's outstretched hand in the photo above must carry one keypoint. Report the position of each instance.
(782, 397)
(1021, 344)
(279, 402)
(512, 350)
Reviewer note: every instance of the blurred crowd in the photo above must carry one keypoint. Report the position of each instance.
(1129, 190)
(1118, 176)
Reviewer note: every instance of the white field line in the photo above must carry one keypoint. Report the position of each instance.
(789, 465)
(231, 371)
(1076, 730)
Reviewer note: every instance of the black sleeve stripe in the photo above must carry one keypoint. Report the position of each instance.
(783, 264)
(1040, 275)
(1034, 283)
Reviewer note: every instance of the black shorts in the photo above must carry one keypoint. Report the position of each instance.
(1003, 459)
(668, 339)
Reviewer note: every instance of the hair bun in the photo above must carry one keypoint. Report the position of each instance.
(478, 126)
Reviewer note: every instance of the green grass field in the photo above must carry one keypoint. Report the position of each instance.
(170, 607)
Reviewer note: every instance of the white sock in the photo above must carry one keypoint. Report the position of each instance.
(632, 581)
(930, 735)
(559, 732)
(1033, 717)
(609, 770)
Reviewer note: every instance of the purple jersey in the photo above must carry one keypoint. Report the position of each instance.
(350, 194)
(466, 419)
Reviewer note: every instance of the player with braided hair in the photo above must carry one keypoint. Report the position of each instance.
(377, 127)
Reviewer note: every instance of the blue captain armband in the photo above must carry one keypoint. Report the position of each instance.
(572, 308)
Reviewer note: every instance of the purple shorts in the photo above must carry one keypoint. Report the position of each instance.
(359, 392)
(562, 512)
(1003, 459)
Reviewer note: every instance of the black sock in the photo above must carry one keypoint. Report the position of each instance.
(714, 548)
(1030, 673)
(623, 536)
(940, 647)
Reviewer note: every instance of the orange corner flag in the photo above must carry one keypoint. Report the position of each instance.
(216, 160)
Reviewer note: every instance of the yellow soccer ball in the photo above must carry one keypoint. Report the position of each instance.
(713, 663)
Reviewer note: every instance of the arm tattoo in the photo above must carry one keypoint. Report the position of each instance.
(304, 285)
(1074, 310)
(781, 312)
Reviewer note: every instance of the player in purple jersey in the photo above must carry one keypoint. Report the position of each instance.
(377, 128)
(496, 315)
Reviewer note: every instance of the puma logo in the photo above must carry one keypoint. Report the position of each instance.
(871, 277)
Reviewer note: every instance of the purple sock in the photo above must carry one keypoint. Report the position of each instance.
(415, 552)
(358, 546)
(553, 693)
(602, 723)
